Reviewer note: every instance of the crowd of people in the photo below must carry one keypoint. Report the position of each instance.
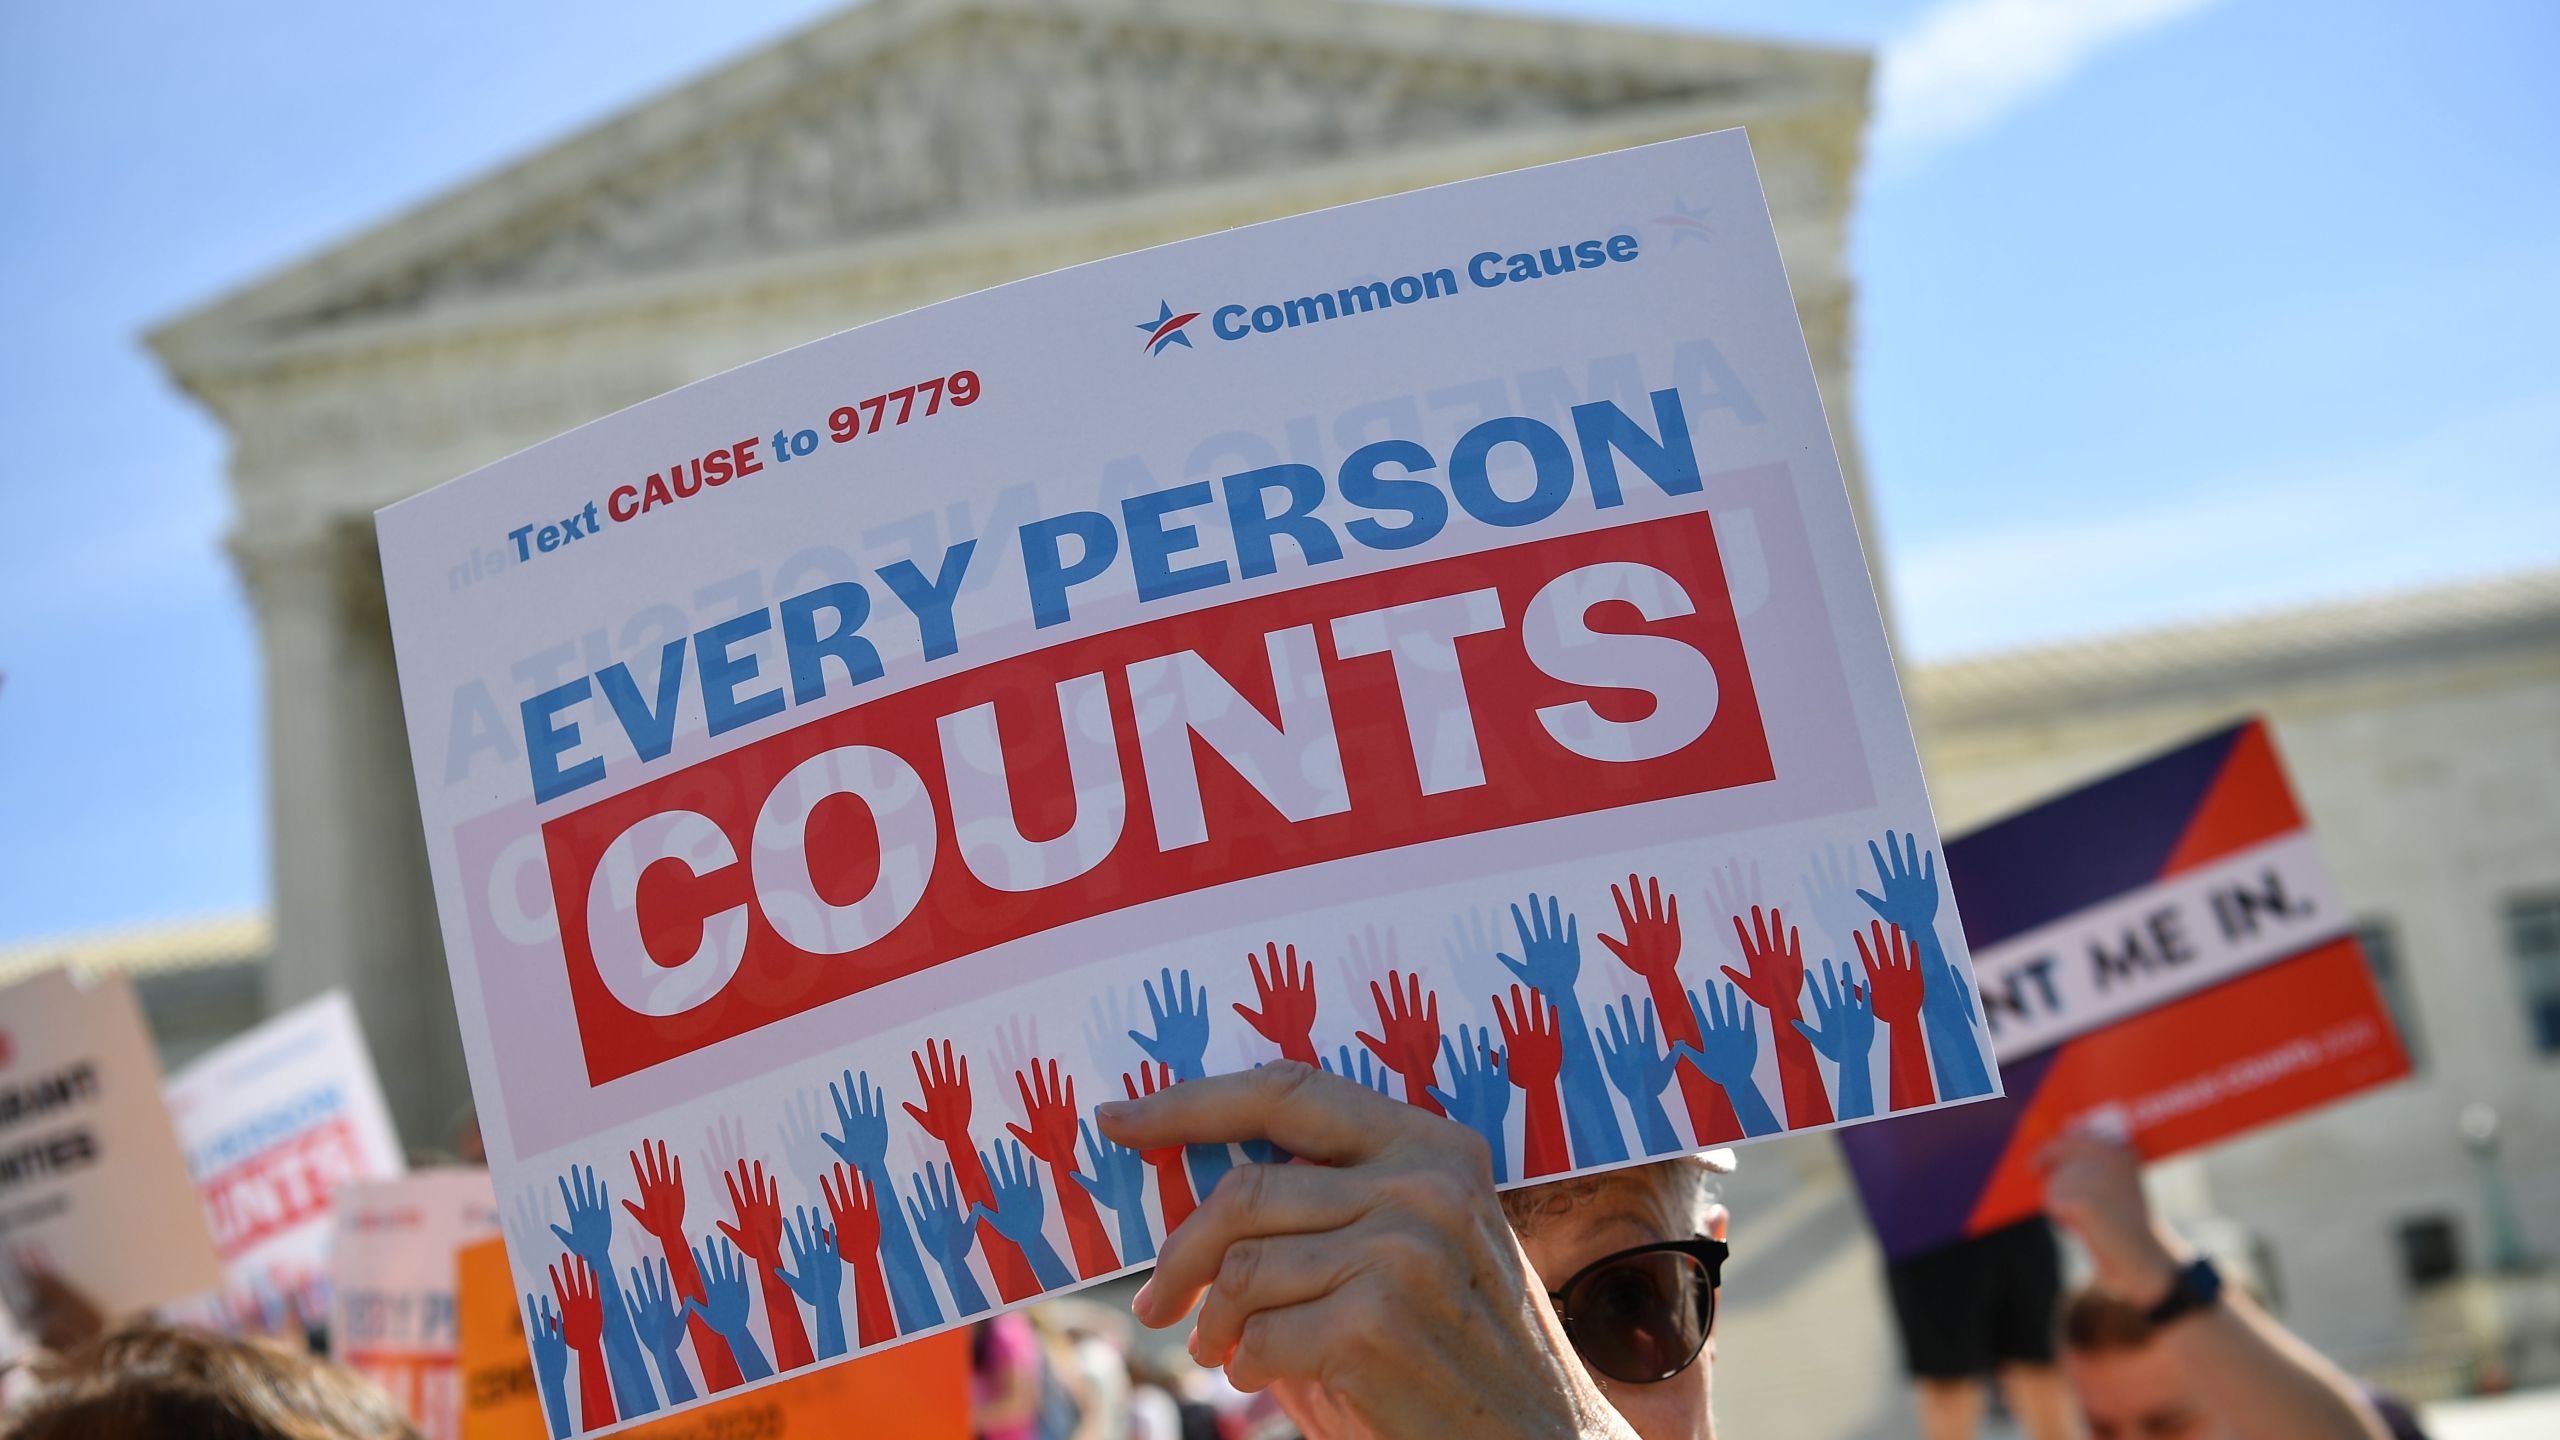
(1381, 1286)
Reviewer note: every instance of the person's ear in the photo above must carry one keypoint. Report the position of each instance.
(1718, 1219)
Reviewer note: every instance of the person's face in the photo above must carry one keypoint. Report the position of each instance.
(1635, 1210)
(2134, 1394)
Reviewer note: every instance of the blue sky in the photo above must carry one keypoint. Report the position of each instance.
(2168, 309)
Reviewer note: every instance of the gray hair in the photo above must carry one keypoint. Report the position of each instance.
(1689, 1178)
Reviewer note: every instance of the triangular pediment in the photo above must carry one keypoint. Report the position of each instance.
(903, 115)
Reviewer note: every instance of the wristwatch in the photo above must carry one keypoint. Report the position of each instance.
(2197, 1287)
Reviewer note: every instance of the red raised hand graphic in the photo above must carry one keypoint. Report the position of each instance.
(945, 1089)
(853, 1208)
(1287, 994)
(660, 1180)
(1651, 920)
(1651, 948)
(582, 1325)
(945, 1116)
(1050, 1105)
(756, 1201)
(1536, 1052)
(1411, 1044)
(1173, 1183)
(1896, 986)
(1774, 952)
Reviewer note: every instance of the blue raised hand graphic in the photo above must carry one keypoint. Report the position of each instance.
(1119, 1184)
(817, 1276)
(1368, 1071)
(1181, 1016)
(725, 1303)
(1641, 1069)
(658, 1312)
(1729, 1045)
(1181, 1044)
(1908, 877)
(1019, 1210)
(1843, 1032)
(590, 1237)
(947, 1234)
(1550, 961)
(1479, 1093)
(862, 1141)
(550, 1362)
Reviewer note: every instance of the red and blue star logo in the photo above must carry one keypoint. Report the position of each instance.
(1166, 328)
(1686, 224)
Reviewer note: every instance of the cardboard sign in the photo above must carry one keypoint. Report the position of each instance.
(392, 1282)
(2162, 959)
(918, 1391)
(274, 1122)
(1427, 638)
(92, 1184)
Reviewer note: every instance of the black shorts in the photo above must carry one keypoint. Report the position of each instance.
(1979, 1304)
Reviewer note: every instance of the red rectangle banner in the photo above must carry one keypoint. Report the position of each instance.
(1554, 678)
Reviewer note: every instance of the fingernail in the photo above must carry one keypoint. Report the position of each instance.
(1112, 1110)
(1192, 1345)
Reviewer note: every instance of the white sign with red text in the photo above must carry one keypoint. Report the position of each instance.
(273, 1123)
(1427, 638)
(392, 1276)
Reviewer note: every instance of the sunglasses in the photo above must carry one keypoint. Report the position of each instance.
(1643, 1315)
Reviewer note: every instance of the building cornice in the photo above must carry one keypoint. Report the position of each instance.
(2515, 614)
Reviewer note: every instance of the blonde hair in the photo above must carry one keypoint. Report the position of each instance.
(149, 1382)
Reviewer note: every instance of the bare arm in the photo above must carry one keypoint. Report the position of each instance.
(2250, 1374)
(2261, 1380)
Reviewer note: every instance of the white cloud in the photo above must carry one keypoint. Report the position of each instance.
(1968, 63)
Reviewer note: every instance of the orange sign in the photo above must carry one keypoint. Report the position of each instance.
(915, 1391)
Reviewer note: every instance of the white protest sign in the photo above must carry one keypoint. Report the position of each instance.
(392, 1276)
(92, 1184)
(1274, 645)
(273, 1122)
(2146, 947)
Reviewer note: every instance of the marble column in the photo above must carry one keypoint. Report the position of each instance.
(354, 907)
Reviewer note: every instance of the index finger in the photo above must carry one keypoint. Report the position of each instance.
(1319, 1117)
